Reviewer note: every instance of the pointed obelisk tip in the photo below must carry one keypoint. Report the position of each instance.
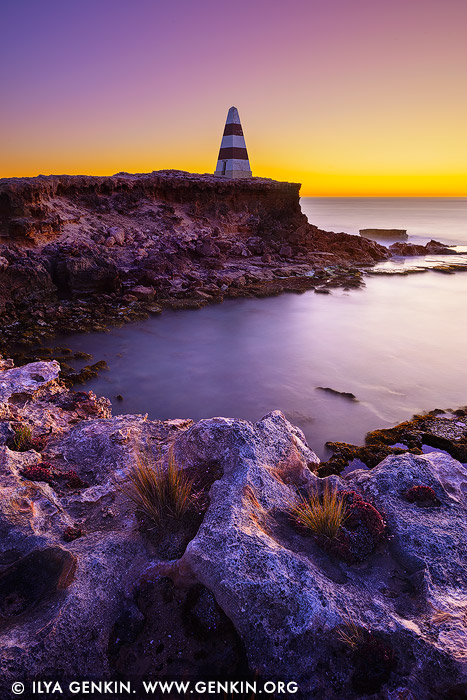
(233, 157)
(232, 116)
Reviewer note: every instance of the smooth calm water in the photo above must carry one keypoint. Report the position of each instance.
(399, 345)
(424, 218)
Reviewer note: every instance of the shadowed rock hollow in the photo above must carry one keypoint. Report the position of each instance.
(236, 590)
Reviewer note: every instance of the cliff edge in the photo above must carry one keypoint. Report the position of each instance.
(80, 252)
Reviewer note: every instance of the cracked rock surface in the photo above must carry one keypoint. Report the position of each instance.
(237, 590)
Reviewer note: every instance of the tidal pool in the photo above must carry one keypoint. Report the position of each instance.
(399, 345)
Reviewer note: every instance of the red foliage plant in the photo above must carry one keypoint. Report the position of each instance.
(73, 480)
(420, 494)
(363, 527)
(39, 472)
(46, 472)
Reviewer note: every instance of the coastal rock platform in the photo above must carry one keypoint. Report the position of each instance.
(89, 588)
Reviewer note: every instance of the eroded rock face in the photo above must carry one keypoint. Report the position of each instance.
(248, 592)
(28, 381)
(76, 252)
(287, 599)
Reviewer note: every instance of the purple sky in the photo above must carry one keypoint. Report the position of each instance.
(333, 93)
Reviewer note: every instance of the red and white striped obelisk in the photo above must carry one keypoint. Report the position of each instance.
(233, 157)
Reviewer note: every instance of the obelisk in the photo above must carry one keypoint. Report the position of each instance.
(233, 157)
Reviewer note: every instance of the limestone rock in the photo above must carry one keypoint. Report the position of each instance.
(247, 578)
(5, 363)
(81, 273)
(140, 292)
(287, 600)
(397, 233)
(117, 234)
(432, 247)
(20, 384)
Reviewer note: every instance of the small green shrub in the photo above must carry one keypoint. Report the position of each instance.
(159, 492)
(323, 515)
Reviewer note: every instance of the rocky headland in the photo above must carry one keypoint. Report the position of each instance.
(79, 252)
(89, 588)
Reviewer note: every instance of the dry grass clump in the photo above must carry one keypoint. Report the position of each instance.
(22, 438)
(159, 492)
(323, 515)
(350, 634)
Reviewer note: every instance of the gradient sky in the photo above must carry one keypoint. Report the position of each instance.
(348, 97)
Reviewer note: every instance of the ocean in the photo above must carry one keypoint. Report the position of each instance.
(399, 344)
(424, 218)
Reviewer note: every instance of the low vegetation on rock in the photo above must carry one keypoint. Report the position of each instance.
(436, 429)
(350, 633)
(159, 492)
(46, 472)
(421, 494)
(22, 438)
(322, 515)
(39, 472)
(72, 533)
(372, 656)
(363, 528)
(344, 524)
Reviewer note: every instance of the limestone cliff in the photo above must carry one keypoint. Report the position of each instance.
(43, 208)
(119, 244)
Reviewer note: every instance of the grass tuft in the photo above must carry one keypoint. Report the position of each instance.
(350, 634)
(323, 515)
(22, 438)
(159, 492)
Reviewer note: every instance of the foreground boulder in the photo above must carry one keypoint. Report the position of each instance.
(90, 589)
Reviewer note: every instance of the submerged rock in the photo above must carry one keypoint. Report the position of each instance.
(344, 394)
(243, 591)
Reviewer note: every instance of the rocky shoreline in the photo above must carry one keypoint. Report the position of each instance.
(82, 253)
(90, 589)
(440, 429)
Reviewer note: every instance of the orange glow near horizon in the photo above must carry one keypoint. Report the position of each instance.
(349, 99)
(314, 184)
